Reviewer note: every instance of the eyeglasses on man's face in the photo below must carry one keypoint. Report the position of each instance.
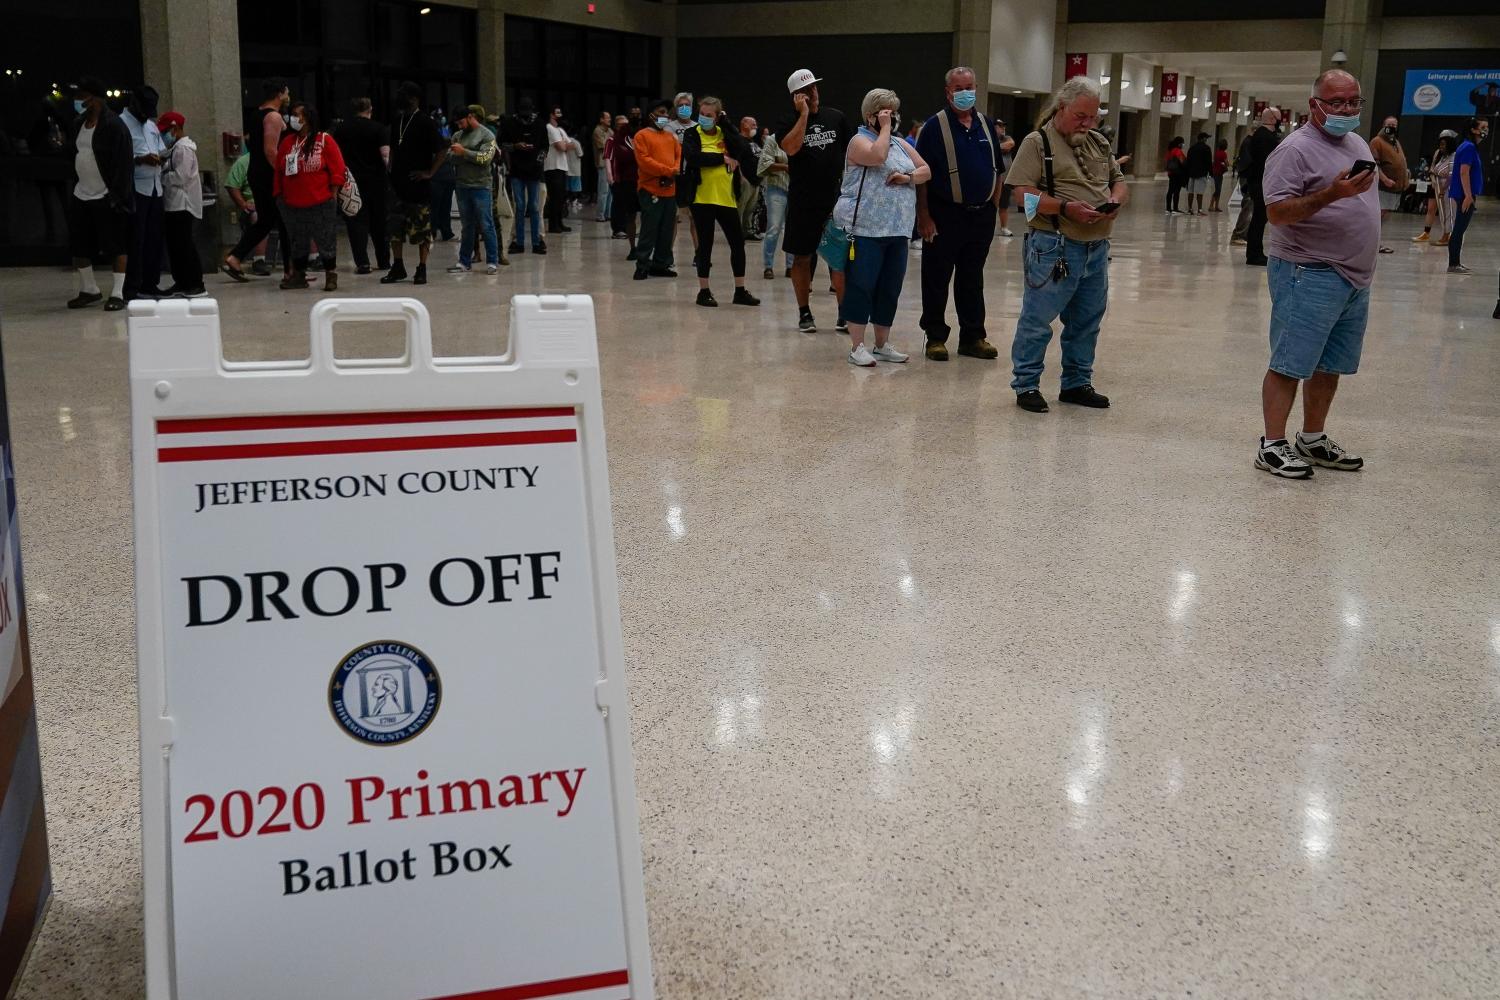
(1340, 104)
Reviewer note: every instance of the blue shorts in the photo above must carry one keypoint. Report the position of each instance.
(1317, 320)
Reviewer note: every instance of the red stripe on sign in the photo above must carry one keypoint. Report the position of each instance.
(555, 988)
(199, 425)
(281, 449)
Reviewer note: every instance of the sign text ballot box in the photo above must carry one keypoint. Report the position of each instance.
(384, 737)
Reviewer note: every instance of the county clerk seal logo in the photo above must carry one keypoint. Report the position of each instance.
(384, 692)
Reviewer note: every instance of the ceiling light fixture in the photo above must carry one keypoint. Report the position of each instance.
(1104, 80)
(425, 10)
(1150, 89)
(1018, 91)
(1124, 84)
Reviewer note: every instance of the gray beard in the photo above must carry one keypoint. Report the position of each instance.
(1077, 139)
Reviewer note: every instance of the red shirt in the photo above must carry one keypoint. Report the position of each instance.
(318, 172)
(1221, 161)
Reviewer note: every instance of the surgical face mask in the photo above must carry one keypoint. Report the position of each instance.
(294, 123)
(685, 111)
(1340, 125)
(706, 122)
(661, 121)
(963, 100)
(167, 139)
(78, 106)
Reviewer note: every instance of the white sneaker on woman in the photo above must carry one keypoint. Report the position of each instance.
(889, 353)
(862, 357)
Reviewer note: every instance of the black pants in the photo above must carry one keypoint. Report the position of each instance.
(1174, 192)
(182, 253)
(957, 255)
(369, 224)
(557, 198)
(704, 217)
(1255, 236)
(143, 268)
(267, 218)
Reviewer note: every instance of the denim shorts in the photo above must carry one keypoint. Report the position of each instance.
(1317, 319)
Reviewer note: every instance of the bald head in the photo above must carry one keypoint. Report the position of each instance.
(1270, 117)
(1334, 79)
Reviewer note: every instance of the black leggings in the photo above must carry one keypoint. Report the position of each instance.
(1174, 192)
(728, 218)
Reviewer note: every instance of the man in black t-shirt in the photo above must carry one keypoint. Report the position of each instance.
(814, 139)
(366, 145)
(417, 150)
(523, 136)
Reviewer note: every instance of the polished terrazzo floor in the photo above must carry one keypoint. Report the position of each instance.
(934, 698)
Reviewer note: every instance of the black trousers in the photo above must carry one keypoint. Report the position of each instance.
(267, 218)
(957, 255)
(557, 198)
(182, 253)
(369, 224)
(704, 217)
(143, 267)
(1255, 236)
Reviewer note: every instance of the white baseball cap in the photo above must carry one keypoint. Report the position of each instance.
(801, 78)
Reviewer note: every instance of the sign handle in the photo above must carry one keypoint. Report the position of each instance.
(410, 311)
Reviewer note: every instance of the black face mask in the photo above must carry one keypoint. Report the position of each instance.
(1389, 130)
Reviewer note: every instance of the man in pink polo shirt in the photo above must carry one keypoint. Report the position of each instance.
(1325, 221)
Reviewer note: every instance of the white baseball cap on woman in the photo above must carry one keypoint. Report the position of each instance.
(801, 78)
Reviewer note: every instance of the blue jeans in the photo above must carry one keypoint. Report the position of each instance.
(1079, 299)
(1456, 237)
(528, 196)
(476, 208)
(603, 196)
(1317, 319)
(872, 280)
(775, 220)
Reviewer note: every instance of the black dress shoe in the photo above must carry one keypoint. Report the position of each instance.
(1084, 395)
(115, 304)
(663, 272)
(1031, 400)
(85, 299)
(516, 248)
(395, 274)
(362, 269)
(641, 274)
(539, 248)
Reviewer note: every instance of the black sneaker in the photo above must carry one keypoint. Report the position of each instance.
(419, 276)
(1084, 395)
(83, 299)
(395, 274)
(706, 298)
(842, 326)
(114, 304)
(641, 274)
(516, 248)
(662, 272)
(742, 297)
(1278, 458)
(1031, 400)
(769, 275)
(260, 269)
(362, 269)
(1326, 452)
(805, 321)
(539, 248)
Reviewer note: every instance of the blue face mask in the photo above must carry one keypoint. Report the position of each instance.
(661, 123)
(167, 140)
(706, 122)
(1340, 125)
(685, 112)
(78, 106)
(963, 100)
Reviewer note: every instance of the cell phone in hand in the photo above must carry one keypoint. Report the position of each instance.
(1107, 207)
(1361, 167)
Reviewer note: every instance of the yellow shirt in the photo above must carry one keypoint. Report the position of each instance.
(717, 185)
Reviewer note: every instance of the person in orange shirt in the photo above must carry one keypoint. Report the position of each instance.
(657, 156)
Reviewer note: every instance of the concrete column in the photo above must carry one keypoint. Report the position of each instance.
(1114, 92)
(971, 42)
(490, 48)
(1145, 158)
(1229, 127)
(191, 54)
(1059, 46)
(1353, 27)
(1185, 85)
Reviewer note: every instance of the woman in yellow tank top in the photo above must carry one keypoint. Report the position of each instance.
(711, 157)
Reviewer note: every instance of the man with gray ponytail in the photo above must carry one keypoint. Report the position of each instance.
(1072, 190)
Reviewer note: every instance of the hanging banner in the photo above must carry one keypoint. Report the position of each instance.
(1169, 88)
(1259, 108)
(384, 733)
(1457, 92)
(1224, 102)
(1077, 65)
(25, 871)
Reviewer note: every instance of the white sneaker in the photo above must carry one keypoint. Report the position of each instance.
(459, 269)
(1279, 459)
(889, 353)
(862, 357)
(1006, 232)
(492, 269)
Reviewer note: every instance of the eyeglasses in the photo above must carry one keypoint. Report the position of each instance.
(1354, 104)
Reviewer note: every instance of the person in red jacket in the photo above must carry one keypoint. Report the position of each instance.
(309, 172)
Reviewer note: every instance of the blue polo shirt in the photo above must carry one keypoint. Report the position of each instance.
(974, 148)
(1466, 155)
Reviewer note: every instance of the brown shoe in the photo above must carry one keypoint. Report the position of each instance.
(937, 350)
(980, 348)
(330, 281)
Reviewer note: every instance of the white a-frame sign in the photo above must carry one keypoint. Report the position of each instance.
(385, 746)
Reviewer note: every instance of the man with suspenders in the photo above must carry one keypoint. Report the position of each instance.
(956, 218)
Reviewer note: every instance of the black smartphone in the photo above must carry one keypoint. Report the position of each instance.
(1361, 167)
(1107, 207)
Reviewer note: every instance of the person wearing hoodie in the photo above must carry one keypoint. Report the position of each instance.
(182, 200)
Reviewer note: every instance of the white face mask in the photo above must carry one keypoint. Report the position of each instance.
(294, 123)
